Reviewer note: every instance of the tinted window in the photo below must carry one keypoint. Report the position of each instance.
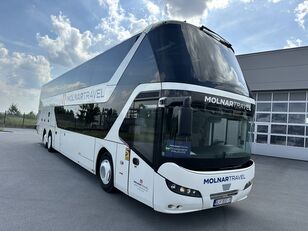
(262, 128)
(279, 96)
(264, 96)
(263, 117)
(261, 138)
(251, 127)
(296, 130)
(281, 140)
(298, 96)
(88, 119)
(295, 141)
(104, 65)
(97, 70)
(279, 129)
(296, 118)
(65, 118)
(138, 127)
(263, 107)
(141, 69)
(279, 118)
(280, 107)
(186, 54)
(297, 107)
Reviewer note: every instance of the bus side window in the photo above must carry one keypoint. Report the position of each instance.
(138, 127)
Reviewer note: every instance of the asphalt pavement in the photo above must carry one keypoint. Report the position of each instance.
(46, 191)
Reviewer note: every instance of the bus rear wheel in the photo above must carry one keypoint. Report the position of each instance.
(106, 173)
(44, 139)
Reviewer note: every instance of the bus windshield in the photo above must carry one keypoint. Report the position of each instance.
(214, 135)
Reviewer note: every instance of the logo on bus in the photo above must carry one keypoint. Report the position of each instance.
(214, 180)
(227, 102)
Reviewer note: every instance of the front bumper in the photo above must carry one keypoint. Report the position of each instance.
(169, 202)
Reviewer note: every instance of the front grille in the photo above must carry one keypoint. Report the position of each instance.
(223, 194)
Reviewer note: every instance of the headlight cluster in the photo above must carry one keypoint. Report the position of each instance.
(182, 190)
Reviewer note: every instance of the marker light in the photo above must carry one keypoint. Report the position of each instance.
(248, 185)
(182, 190)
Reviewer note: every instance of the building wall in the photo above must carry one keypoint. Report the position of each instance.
(280, 124)
(279, 82)
(276, 70)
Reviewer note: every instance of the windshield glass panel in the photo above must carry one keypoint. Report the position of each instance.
(214, 135)
(186, 54)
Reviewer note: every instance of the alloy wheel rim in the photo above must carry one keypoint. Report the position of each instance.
(105, 171)
(49, 142)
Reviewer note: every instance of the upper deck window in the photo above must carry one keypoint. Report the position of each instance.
(98, 70)
(186, 54)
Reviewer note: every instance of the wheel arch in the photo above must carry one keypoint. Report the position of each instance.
(103, 151)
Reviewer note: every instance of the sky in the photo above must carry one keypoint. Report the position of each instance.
(40, 40)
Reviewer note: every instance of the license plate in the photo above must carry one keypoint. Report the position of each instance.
(222, 201)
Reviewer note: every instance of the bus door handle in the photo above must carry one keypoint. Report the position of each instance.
(135, 161)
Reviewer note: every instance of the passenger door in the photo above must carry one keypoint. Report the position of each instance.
(138, 131)
(141, 177)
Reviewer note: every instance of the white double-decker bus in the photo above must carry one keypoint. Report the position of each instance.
(163, 117)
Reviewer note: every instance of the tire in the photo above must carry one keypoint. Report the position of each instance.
(49, 143)
(106, 173)
(45, 140)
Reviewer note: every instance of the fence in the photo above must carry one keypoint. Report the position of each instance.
(17, 121)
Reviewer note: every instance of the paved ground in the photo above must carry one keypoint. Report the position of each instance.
(46, 191)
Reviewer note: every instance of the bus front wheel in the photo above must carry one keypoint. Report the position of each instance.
(106, 173)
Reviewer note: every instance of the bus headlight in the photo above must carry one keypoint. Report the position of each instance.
(182, 190)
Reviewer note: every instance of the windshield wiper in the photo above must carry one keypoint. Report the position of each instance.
(216, 36)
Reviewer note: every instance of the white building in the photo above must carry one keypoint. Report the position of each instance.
(279, 82)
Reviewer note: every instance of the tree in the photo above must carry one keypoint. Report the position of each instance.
(30, 115)
(13, 110)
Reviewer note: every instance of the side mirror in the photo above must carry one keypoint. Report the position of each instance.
(185, 118)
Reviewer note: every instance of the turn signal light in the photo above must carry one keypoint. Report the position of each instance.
(247, 185)
(182, 190)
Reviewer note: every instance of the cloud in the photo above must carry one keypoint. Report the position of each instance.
(152, 8)
(195, 11)
(180, 8)
(23, 70)
(301, 11)
(247, 1)
(26, 99)
(293, 43)
(70, 46)
(274, 1)
(21, 76)
(120, 24)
